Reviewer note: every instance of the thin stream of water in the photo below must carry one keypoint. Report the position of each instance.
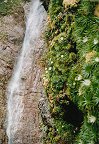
(16, 87)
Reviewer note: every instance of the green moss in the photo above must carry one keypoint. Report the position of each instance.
(72, 69)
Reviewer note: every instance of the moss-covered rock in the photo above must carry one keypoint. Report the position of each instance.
(72, 66)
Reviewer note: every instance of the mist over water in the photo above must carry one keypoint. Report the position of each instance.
(21, 78)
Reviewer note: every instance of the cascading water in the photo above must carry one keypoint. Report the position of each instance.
(22, 127)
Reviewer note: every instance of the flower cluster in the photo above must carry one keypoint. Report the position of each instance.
(91, 119)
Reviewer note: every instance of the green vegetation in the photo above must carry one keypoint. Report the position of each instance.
(8, 6)
(72, 71)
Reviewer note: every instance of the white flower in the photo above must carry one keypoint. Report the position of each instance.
(91, 119)
(44, 78)
(74, 83)
(80, 142)
(85, 39)
(62, 126)
(5, 1)
(51, 62)
(61, 38)
(46, 71)
(97, 59)
(95, 41)
(50, 68)
(62, 56)
(86, 82)
(78, 78)
(45, 68)
(80, 92)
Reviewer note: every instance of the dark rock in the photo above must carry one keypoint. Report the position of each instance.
(45, 4)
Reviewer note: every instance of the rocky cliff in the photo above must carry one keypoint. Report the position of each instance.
(12, 30)
(11, 37)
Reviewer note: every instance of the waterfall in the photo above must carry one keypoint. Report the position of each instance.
(20, 114)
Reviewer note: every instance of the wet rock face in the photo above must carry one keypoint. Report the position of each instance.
(11, 37)
(25, 127)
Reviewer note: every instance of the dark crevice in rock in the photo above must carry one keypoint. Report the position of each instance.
(71, 113)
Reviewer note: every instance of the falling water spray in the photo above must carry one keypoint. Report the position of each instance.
(18, 85)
